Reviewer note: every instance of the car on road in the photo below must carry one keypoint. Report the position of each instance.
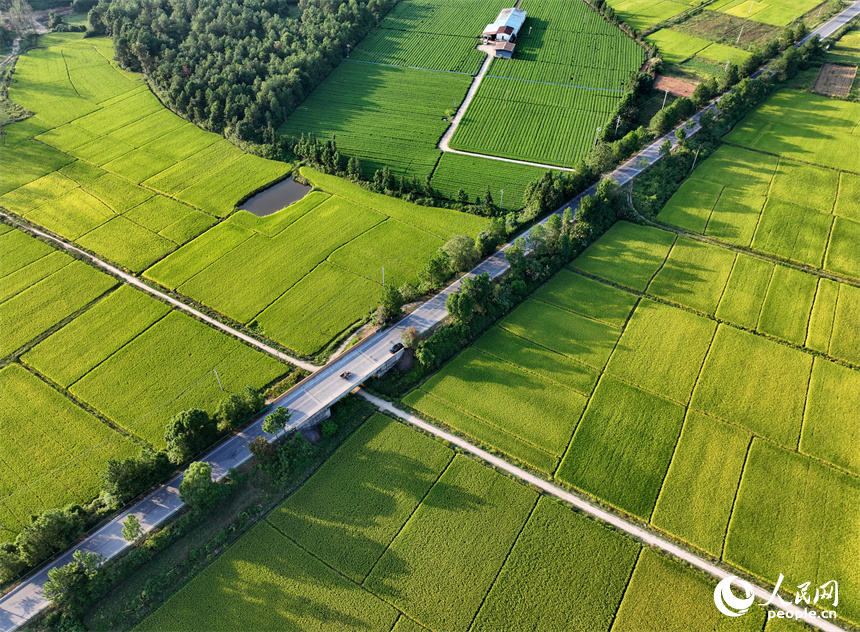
(397, 347)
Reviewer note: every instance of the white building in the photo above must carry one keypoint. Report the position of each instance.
(506, 27)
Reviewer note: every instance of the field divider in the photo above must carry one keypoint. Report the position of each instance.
(735, 499)
(140, 285)
(409, 519)
(638, 533)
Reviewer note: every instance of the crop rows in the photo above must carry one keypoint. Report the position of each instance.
(125, 354)
(526, 130)
(385, 116)
(676, 47)
(580, 59)
(502, 549)
(396, 468)
(641, 14)
(40, 428)
(406, 48)
(474, 175)
(777, 12)
(464, 18)
(776, 204)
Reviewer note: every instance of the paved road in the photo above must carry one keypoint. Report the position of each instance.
(16, 46)
(313, 395)
(140, 285)
(619, 523)
(830, 27)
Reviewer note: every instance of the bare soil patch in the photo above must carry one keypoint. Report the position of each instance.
(675, 86)
(835, 80)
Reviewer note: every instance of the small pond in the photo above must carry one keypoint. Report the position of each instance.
(275, 197)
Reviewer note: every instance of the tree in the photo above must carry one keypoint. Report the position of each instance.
(462, 253)
(232, 412)
(411, 338)
(437, 269)
(188, 432)
(51, 530)
(702, 94)
(131, 528)
(69, 587)
(729, 77)
(197, 488)
(277, 420)
(490, 237)
(254, 398)
(123, 479)
(391, 302)
(261, 449)
(353, 168)
(462, 197)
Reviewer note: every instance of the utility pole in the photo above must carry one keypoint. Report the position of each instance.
(694, 160)
(217, 377)
(752, 2)
(742, 32)
(595, 136)
(665, 96)
(617, 123)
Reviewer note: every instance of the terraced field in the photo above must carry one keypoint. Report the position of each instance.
(94, 371)
(104, 164)
(782, 184)
(396, 532)
(545, 105)
(619, 378)
(294, 278)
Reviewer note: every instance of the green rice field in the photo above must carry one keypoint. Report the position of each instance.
(104, 164)
(311, 283)
(396, 532)
(759, 191)
(651, 332)
(544, 105)
(92, 372)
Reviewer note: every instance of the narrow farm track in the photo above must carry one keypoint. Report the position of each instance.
(140, 285)
(317, 393)
(629, 527)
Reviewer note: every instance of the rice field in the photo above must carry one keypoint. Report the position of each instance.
(712, 352)
(104, 164)
(449, 545)
(310, 283)
(776, 12)
(42, 430)
(92, 372)
(759, 189)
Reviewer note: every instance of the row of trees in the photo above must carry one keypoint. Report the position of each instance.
(237, 68)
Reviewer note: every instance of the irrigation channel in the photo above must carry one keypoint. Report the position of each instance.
(310, 401)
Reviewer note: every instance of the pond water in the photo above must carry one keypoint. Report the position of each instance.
(275, 197)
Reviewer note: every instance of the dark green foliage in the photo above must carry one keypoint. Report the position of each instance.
(197, 488)
(277, 420)
(462, 254)
(328, 428)
(232, 412)
(436, 271)
(123, 479)
(390, 303)
(265, 63)
(50, 531)
(69, 587)
(290, 457)
(189, 432)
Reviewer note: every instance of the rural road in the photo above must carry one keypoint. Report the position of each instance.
(831, 26)
(316, 394)
(628, 527)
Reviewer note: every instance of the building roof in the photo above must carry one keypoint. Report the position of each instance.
(508, 18)
(508, 46)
